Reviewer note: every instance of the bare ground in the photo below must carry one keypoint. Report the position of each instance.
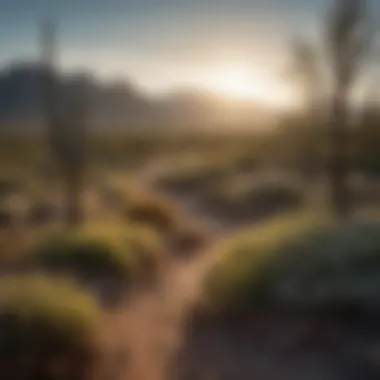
(150, 327)
(160, 340)
(152, 336)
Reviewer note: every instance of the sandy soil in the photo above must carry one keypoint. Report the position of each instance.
(161, 341)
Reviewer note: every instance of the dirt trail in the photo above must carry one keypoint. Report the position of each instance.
(150, 326)
(188, 204)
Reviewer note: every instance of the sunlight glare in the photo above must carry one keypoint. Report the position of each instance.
(240, 83)
(233, 82)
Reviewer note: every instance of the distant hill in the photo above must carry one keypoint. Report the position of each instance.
(119, 104)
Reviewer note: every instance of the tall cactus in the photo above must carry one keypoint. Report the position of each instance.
(349, 39)
(65, 135)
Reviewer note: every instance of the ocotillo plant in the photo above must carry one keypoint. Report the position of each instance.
(65, 135)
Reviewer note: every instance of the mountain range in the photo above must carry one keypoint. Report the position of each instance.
(119, 104)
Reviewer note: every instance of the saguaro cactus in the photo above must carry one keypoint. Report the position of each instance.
(65, 133)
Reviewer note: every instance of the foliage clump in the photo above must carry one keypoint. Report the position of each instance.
(98, 251)
(299, 263)
(47, 328)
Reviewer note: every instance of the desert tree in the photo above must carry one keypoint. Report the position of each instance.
(65, 127)
(349, 37)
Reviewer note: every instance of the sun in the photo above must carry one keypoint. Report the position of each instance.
(235, 82)
(249, 84)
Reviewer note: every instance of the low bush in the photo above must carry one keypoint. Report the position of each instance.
(193, 179)
(299, 263)
(156, 212)
(238, 274)
(331, 269)
(247, 197)
(100, 252)
(119, 190)
(47, 329)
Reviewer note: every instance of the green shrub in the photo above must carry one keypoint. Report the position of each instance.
(119, 190)
(44, 322)
(248, 197)
(155, 212)
(299, 263)
(237, 276)
(100, 251)
(192, 179)
(335, 268)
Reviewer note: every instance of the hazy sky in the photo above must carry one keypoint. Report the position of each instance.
(161, 44)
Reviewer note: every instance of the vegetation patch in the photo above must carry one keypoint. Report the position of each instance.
(47, 328)
(192, 178)
(299, 263)
(119, 190)
(156, 212)
(98, 251)
(245, 198)
(140, 206)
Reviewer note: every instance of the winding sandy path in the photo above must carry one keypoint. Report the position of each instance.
(150, 326)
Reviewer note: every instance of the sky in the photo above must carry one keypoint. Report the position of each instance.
(164, 44)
